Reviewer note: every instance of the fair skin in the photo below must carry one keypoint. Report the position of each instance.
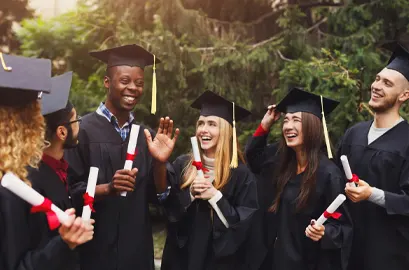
(75, 231)
(293, 135)
(207, 132)
(388, 92)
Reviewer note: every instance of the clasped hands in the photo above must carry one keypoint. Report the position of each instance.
(201, 188)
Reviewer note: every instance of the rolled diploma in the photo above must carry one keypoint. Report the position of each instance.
(347, 169)
(196, 154)
(133, 138)
(22, 190)
(332, 208)
(92, 182)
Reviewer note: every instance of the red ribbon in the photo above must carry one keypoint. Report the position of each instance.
(334, 215)
(45, 207)
(355, 179)
(88, 200)
(131, 156)
(199, 166)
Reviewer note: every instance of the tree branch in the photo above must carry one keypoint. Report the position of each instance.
(283, 57)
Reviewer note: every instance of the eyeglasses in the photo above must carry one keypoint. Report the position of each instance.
(78, 119)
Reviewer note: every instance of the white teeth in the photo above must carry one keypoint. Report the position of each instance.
(129, 99)
(291, 135)
(205, 138)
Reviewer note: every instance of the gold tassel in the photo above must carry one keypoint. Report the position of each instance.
(234, 160)
(324, 123)
(153, 106)
(3, 63)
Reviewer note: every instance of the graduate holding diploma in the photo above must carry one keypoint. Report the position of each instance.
(123, 236)
(378, 153)
(26, 241)
(210, 212)
(304, 183)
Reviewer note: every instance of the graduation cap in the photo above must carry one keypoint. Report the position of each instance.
(22, 79)
(211, 104)
(399, 61)
(58, 98)
(298, 100)
(130, 55)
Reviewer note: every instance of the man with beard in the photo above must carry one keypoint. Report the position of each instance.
(123, 234)
(378, 153)
(31, 240)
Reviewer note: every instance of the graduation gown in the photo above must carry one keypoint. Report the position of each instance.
(195, 240)
(26, 241)
(381, 234)
(288, 247)
(122, 232)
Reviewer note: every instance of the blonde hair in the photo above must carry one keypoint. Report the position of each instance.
(21, 138)
(223, 157)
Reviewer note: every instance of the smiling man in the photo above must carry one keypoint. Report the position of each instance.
(378, 153)
(123, 237)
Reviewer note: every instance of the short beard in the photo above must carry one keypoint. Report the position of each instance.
(70, 142)
(390, 103)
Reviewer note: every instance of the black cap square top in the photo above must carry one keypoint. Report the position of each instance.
(299, 100)
(212, 104)
(127, 55)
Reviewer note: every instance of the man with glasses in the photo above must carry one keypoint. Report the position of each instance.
(50, 179)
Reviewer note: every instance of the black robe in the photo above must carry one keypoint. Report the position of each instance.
(122, 232)
(381, 234)
(26, 241)
(286, 240)
(195, 241)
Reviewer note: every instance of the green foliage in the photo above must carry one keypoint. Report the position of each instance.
(248, 53)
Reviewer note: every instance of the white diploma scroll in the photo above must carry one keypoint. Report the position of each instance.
(11, 182)
(347, 170)
(92, 182)
(331, 209)
(196, 154)
(133, 138)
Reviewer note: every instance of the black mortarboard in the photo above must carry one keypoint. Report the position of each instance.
(130, 55)
(22, 79)
(298, 100)
(399, 60)
(58, 98)
(211, 104)
(127, 55)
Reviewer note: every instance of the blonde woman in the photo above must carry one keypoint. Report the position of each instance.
(21, 145)
(210, 216)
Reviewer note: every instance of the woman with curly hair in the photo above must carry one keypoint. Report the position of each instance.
(21, 146)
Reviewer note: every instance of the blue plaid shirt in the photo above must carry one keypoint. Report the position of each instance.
(125, 129)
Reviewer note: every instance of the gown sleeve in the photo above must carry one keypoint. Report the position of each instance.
(338, 232)
(397, 203)
(257, 151)
(16, 253)
(238, 212)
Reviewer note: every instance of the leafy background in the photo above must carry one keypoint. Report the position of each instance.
(250, 51)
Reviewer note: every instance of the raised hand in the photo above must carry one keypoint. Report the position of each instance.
(162, 145)
(270, 117)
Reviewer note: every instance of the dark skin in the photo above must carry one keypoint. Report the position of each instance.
(125, 88)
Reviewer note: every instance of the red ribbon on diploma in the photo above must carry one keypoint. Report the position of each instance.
(131, 156)
(334, 215)
(45, 207)
(355, 179)
(88, 200)
(199, 166)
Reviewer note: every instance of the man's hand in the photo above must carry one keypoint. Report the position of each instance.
(162, 145)
(360, 193)
(123, 180)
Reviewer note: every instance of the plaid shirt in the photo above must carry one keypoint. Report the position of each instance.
(125, 129)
